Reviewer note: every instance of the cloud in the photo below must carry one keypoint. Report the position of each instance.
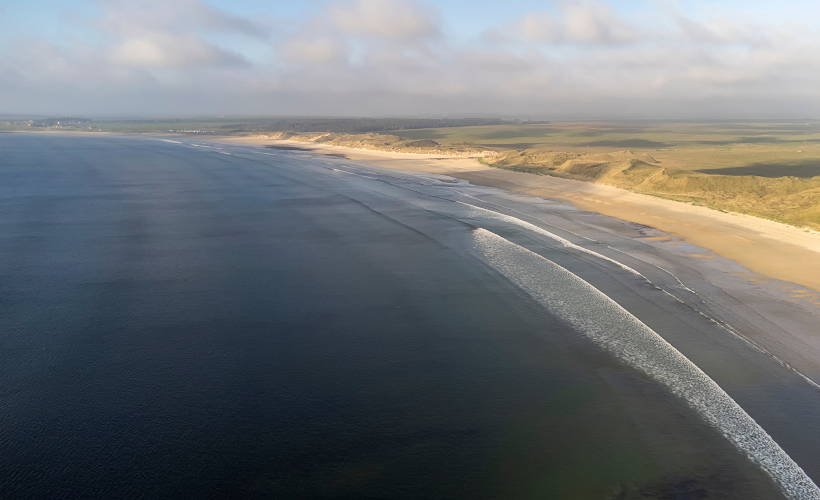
(160, 50)
(580, 21)
(366, 27)
(390, 19)
(594, 22)
(318, 50)
(587, 58)
(540, 27)
(170, 33)
(129, 17)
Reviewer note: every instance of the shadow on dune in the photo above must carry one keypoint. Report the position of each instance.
(630, 143)
(798, 168)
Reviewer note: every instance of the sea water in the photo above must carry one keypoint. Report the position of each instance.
(187, 319)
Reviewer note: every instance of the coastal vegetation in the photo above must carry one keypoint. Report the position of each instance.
(389, 143)
(789, 199)
(766, 169)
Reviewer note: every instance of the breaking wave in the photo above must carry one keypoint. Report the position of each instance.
(472, 211)
(619, 332)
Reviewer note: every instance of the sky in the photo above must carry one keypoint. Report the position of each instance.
(584, 59)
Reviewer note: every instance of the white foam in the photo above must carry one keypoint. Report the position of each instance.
(489, 214)
(619, 332)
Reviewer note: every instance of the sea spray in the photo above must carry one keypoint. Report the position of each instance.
(619, 332)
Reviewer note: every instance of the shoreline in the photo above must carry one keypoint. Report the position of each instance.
(764, 310)
(735, 289)
(765, 247)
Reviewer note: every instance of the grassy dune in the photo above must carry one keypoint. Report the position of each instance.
(383, 142)
(791, 200)
(770, 169)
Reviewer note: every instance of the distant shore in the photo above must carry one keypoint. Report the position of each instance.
(765, 247)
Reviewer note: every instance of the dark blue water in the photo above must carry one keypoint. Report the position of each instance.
(178, 322)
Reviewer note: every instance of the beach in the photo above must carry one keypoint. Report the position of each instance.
(758, 275)
(766, 247)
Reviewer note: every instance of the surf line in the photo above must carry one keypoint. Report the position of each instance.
(589, 239)
(493, 215)
(566, 243)
(613, 328)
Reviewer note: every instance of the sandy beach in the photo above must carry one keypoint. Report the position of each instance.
(765, 247)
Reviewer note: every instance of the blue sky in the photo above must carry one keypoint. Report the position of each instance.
(564, 58)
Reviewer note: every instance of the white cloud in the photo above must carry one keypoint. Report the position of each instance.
(170, 33)
(130, 16)
(396, 19)
(161, 50)
(317, 50)
(394, 56)
(580, 21)
(594, 22)
(540, 27)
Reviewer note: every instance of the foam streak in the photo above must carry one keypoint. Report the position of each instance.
(619, 332)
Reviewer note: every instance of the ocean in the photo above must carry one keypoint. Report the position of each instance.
(189, 319)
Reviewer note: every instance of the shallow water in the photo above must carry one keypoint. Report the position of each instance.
(228, 321)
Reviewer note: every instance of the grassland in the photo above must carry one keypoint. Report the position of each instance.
(769, 169)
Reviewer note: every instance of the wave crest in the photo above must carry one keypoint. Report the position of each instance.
(616, 330)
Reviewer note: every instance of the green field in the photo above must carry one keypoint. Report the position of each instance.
(767, 149)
